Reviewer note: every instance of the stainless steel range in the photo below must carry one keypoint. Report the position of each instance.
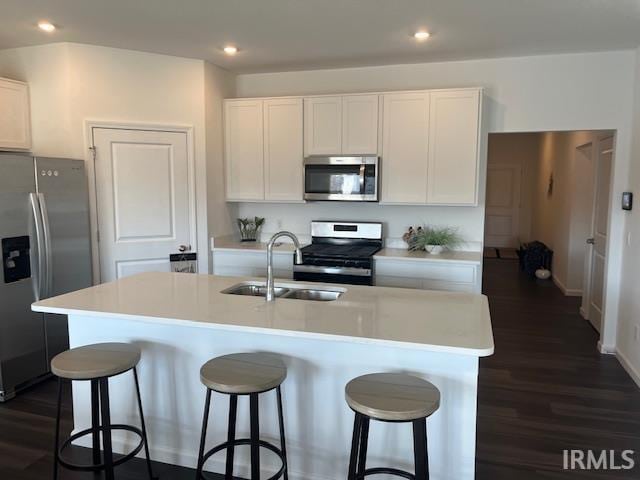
(340, 252)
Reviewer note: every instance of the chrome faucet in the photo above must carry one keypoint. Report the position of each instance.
(271, 294)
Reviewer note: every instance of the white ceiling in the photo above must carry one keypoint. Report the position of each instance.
(278, 35)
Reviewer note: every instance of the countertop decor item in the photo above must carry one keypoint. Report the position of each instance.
(433, 239)
(543, 274)
(250, 228)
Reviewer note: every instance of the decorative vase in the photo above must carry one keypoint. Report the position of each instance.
(434, 249)
(543, 274)
(249, 228)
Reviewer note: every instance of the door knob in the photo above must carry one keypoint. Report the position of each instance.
(184, 248)
(591, 241)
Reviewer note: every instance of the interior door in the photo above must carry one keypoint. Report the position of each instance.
(503, 206)
(144, 200)
(598, 241)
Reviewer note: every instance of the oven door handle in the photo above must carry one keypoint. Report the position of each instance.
(356, 272)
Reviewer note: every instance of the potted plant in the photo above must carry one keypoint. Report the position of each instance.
(435, 239)
(249, 228)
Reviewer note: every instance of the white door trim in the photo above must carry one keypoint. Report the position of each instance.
(89, 125)
(586, 277)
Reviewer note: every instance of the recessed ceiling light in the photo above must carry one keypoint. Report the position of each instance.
(421, 35)
(230, 50)
(46, 26)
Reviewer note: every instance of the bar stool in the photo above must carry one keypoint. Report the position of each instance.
(390, 397)
(96, 363)
(243, 374)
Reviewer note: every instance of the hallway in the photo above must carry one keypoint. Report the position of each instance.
(546, 388)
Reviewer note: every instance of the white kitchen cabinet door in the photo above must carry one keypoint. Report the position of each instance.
(283, 154)
(453, 147)
(405, 147)
(322, 126)
(15, 118)
(244, 149)
(360, 124)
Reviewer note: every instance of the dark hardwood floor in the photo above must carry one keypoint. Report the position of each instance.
(545, 389)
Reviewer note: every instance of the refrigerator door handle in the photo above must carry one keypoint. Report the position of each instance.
(37, 219)
(47, 243)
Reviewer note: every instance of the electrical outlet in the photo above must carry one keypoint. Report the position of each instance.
(279, 223)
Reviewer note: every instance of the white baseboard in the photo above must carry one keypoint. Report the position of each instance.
(568, 292)
(631, 370)
(583, 313)
(606, 349)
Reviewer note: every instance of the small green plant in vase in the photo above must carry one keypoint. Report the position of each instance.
(435, 239)
(250, 228)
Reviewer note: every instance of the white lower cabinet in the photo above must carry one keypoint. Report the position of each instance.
(422, 274)
(242, 263)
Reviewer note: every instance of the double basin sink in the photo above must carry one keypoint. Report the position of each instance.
(258, 289)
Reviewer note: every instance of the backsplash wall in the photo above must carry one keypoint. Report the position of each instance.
(396, 218)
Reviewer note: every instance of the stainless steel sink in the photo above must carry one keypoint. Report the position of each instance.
(253, 290)
(312, 294)
(257, 289)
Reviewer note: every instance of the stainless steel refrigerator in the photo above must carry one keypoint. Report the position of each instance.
(46, 251)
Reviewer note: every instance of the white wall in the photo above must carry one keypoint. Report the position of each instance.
(72, 83)
(589, 91)
(523, 151)
(628, 346)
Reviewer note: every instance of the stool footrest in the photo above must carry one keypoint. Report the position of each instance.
(246, 441)
(100, 466)
(386, 471)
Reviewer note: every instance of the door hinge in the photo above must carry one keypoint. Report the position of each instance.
(93, 152)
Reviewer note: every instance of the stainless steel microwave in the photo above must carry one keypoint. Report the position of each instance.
(352, 179)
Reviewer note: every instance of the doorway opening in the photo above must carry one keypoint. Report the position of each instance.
(552, 190)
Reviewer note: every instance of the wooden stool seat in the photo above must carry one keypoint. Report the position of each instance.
(393, 397)
(243, 373)
(95, 361)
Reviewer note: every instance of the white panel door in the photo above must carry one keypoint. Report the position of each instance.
(598, 241)
(405, 147)
(144, 203)
(453, 147)
(503, 206)
(15, 119)
(322, 126)
(244, 149)
(360, 124)
(283, 156)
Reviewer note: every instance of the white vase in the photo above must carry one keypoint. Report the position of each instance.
(434, 249)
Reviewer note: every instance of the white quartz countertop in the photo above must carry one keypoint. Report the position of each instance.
(448, 322)
(286, 248)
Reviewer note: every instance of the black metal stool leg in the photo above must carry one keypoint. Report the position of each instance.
(106, 429)
(203, 437)
(420, 449)
(95, 422)
(283, 442)
(364, 441)
(231, 436)
(142, 425)
(255, 436)
(355, 443)
(57, 435)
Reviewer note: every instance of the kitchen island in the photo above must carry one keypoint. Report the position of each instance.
(182, 320)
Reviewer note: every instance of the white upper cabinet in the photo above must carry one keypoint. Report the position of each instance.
(405, 147)
(244, 149)
(283, 155)
(15, 119)
(344, 125)
(453, 147)
(360, 124)
(322, 125)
